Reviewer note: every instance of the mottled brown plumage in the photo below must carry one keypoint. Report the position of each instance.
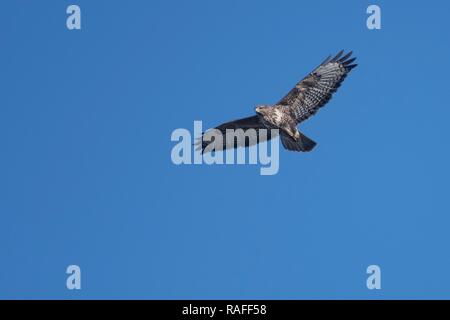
(303, 101)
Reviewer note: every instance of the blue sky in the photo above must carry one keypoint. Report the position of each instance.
(86, 176)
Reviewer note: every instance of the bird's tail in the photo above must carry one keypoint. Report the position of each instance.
(303, 144)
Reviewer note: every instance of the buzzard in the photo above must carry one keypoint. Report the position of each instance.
(303, 101)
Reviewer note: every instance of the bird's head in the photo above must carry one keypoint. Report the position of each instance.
(261, 109)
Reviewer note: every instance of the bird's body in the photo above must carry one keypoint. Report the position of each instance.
(303, 101)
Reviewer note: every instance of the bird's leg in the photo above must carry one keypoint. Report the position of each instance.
(293, 132)
(296, 135)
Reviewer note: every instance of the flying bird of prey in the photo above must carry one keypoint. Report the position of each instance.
(303, 101)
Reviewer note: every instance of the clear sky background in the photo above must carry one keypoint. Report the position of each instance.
(86, 176)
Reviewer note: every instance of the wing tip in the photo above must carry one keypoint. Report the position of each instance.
(341, 58)
(337, 56)
(352, 66)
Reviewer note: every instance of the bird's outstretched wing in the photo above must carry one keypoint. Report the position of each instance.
(249, 138)
(317, 88)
